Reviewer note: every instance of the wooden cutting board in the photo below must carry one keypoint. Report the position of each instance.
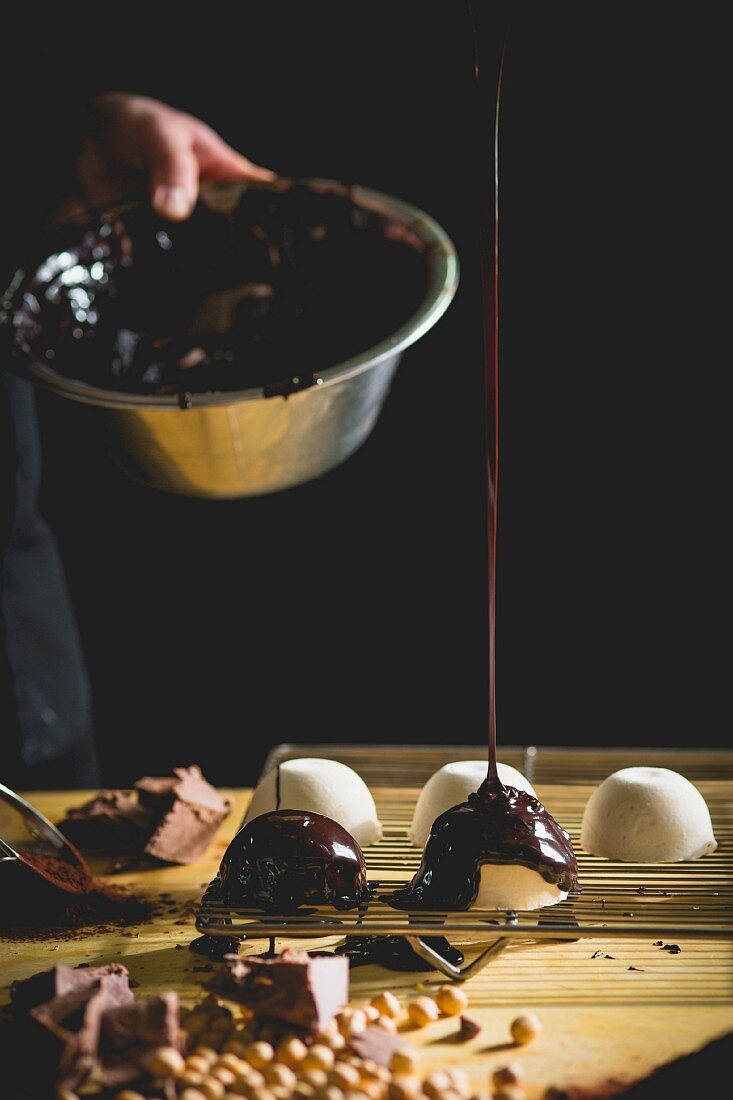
(603, 1024)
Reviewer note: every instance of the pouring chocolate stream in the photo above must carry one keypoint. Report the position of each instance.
(498, 826)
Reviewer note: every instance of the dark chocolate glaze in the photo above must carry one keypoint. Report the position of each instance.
(215, 947)
(497, 824)
(288, 858)
(267, 286)
(395, 952)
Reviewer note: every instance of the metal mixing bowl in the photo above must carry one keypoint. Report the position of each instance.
(247, 442)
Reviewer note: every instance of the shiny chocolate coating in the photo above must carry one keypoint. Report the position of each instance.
(396, 953)
(276, 283)
(288, 858)
(497, 824)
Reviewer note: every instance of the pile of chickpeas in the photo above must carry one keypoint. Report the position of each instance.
(229, 1060)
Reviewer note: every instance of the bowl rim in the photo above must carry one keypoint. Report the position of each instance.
(443, 275)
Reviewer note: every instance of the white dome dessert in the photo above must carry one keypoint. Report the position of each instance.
(513, 886)
(324, 787)
(450, 786)
(647, 815)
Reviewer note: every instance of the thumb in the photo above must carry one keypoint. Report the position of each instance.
(173, 171)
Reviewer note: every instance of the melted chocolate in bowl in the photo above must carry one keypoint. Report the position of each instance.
(288, 858)
(276, 281)
(497, 824)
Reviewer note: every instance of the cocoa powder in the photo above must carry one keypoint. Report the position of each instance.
(35, 905)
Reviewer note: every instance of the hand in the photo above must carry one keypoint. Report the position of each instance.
(140, 136)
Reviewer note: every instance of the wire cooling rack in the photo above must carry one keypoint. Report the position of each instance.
(619, 901)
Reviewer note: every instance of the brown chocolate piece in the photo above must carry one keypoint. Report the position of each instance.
(64, 1034)
(111, 822)
(131, 1031)
(156, 792)
(61, 980)
(192, 811)
(185, 833)
(292, 988)
(90, 1032)
(377, 1044)
(159, 792)
(174, 819)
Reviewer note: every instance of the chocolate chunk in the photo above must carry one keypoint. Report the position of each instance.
(377, 1044)
(192, 811)
(61, 980)
(64, 1034)
(156, 793)
(174, 819)
(468, 1029)
(111, 822)
(292, 988)
(129, 1032)
(188, 784)
(185, 833)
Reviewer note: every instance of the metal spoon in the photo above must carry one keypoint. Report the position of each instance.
(26, 836)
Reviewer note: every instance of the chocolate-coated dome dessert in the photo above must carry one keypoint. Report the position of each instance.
(288, 858)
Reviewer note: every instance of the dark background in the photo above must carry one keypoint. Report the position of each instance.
(353, 608)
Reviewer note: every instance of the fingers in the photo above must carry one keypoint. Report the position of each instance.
(173, 168)
(218, 161)
(173, 149)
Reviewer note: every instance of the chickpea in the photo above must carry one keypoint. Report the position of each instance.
(319, 1056)
(190, 1079)
(351, 1022)
(229, 1061)
(221, 1073)
(278, 1074)
(403, 1086)
(513, 1074)
(198, 1064)
(291, 1052)
(451, 1000)
(259, 1054)
(437, 1084)
(212, 1089)
(166, 1062)
(422, 1011)
(208, 1053)
(344, 1076)
(405, 1060)
(316, 1078)
(386, 1004)
(525, 1028)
